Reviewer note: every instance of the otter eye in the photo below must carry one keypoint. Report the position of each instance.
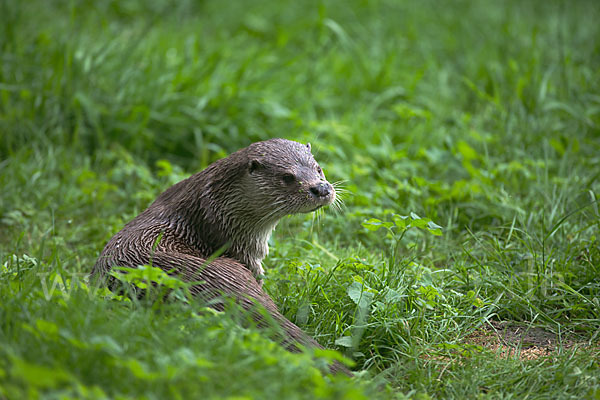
(288, 179)
(255, 165)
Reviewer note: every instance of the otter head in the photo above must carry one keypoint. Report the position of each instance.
(282, 178)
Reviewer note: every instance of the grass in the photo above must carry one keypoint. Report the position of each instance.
(481, 117)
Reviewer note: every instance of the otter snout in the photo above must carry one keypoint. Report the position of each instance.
(322, 189)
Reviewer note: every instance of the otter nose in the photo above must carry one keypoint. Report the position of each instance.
(321, 190)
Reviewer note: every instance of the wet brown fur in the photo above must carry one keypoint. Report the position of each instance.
(233, 204)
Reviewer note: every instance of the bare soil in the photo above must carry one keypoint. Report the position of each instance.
(528, 343)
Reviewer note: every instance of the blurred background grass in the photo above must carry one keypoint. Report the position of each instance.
(481, 116)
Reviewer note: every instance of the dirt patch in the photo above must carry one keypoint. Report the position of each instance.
(512, 339)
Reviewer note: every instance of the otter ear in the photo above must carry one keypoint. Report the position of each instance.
(254, 165)
(308, 146)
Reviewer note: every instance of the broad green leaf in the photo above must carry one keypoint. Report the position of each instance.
(360, 296)
(466, 151)
(48, 329)
(400, 220)
(38, 376)
(419, 223)
(344, 341)
(374, 224)
(434, 228)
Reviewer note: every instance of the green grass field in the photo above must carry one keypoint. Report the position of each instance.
(479, 120)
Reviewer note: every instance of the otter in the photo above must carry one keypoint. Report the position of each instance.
(230, 209)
